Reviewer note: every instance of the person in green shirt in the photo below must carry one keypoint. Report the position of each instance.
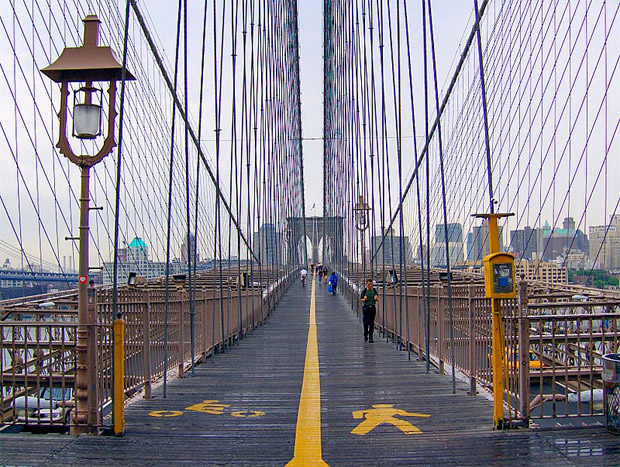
(369, 298)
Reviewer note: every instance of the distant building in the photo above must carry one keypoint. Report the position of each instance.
(390, 251)
(454, 234)
(605, 244)
(268, 245)
(6, 284)
(542, 271)
(135, 258)
(560, 242)
(184, 255)
(575, 260)
(478, 242)
(526, 243)
(421, 256)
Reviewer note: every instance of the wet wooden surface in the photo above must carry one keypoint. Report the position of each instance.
(253, 395)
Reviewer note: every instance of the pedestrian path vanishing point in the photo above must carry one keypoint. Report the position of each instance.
(375, 407)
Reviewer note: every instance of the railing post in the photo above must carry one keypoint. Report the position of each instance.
(472, 342)
(146, 330)
(524, 354)
(419, 321)
(181, 310)
(205, 343)
(440, 323)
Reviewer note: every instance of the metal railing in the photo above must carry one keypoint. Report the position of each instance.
(554, 341)
(39, 340)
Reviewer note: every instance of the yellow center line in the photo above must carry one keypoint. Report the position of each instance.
(308, 433)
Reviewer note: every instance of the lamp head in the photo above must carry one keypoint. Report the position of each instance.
(361, 210)
(89, 62)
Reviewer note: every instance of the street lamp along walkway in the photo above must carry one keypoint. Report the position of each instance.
(361, 212)
(86, 64)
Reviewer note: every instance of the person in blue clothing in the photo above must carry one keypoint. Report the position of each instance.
(333, 281)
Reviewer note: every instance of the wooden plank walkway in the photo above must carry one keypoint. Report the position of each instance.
(241, 409)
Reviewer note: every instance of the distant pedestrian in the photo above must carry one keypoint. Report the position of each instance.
(393, 277)
(333, 282)
(369, 298)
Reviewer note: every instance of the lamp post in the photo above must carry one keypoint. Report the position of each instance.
(361, 211)
(287, 239)
(86, 64)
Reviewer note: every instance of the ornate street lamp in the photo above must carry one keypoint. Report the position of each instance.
(87, 64)
(361, 211)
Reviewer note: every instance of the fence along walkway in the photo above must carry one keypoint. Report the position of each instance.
(241, 408)
(555, 337)
(38, 342)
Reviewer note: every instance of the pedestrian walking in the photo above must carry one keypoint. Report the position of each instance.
(369, 298)
(333, 282)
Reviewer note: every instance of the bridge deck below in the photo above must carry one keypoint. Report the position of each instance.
(241, 408)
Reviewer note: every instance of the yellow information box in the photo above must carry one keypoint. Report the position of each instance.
(499, 275)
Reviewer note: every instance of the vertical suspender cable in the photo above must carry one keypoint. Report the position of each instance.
(382, 167)
(169, 223)
(116, 313)
(484, 111)
(217, 76)
(428, 215)
(300, 132)
(190, 276)
(194, 247)
(235, 166)
(415, 152)
(373, 142)
(443, 199)
(397, 95)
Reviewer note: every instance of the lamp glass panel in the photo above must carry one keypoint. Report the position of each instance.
(86, 121)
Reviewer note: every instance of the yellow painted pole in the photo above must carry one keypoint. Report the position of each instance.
(497, 338)
(497, 361)
(119, 377)
(493, 235)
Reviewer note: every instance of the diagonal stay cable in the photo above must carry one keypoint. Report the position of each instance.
(433, 128)
(185, 118)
